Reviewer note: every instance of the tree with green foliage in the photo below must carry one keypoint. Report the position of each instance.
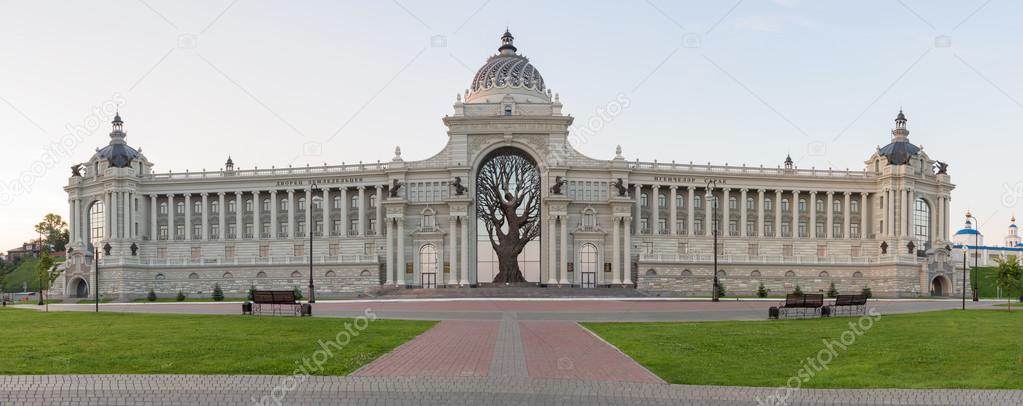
(218, 294)
(762, 290)
(798, 291)
(1008, 275)
(832, 292)
(181, 296)
(54, 230)
(866, 292)
(47, 273)
(298, 293)
(151, 296)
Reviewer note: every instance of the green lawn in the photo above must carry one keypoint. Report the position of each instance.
(24, 274)
(127, 343)
(986, 282)
(947, 349)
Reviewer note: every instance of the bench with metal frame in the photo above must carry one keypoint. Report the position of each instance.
(277, 301)
(849, 305)
(802, 305)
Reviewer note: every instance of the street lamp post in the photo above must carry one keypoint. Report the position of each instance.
(92, 254)
(966, 250)
(976, 257)
(39, 254)
(309, 229)
(714, 230)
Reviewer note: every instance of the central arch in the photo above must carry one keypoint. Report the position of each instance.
(940, 286)
(78, 288)
(508, 189)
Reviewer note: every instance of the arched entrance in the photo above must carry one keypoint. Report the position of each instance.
(507, 192)
(940, 286)
(78, 288)
(428, 266)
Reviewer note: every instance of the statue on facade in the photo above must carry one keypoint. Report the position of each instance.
(884, 247)
(395, 185)
(134, 249)
(459, 187)
(106, 249)
(76, 170)
(940, 168)
(911, 247)
(623, 189)
(558, 182)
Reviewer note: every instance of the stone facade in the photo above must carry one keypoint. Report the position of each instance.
(612, 223)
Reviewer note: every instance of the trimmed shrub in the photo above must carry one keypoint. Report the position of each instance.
(832, 292)
(298, 293)
(252, 293)
(866, 291)
(151, 296)
(762, 291)
(721, 290)
(218, 294)
(798, 291)
(181, 296)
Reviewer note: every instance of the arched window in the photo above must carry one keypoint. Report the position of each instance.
(922, 223)
(697, 202)
(651, 272)
(266, 205)
(160, 277)
(180, 208)
(823, 274)
(768, 204)
(790, 274)
(97, 218)
(330, 274)
(428, 259)
(722, 274)
(429, 219)
(284, 204)
(686, 272)
(214, 207)
(802, 205)
(197, 207)
(193, 275)
(857, 274)
(355, 201)
(317, 202)
(228, 275)
(820, 205)
(373, 200)
(643, 200)
(854, 206)
(301, 203)
(661, 201)
(163, 208)
(732, 203)
(784, 204)
(296, 274)
(754, 274)
(248, 205)
(588, 258)
(261, 275)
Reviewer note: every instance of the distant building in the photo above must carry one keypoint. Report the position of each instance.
(982, 254)
(27, 250)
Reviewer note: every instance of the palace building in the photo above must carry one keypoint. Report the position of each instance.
(606, 222)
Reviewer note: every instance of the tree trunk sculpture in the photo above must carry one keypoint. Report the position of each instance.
(508, 203)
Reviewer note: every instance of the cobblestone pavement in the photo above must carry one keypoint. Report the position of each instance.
(272, 390)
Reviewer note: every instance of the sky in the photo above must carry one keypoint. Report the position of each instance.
(273, 83)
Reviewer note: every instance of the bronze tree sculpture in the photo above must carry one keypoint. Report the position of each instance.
(508, 204)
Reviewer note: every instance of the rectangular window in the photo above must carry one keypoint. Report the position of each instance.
(179, 232)
(644, 226)
(318, 228)
(662, 226)
(196, 230)
(229, 251)
(768, 204)
(769, 229)
(336, 228)
(215, 231)
(802, 229)
(163, 232)
(372, 226)
(248, 205)
(733, 228)
(354, 228)
(698, 227)
(820, 230)
(854, 230)
(300, 228)
(681, 227)
(786, 229)
(265, 231)
(680, 202)
(299, 250)
(836, 231)
(854, 206)
(232, 231)
(697, 202)
(661, 202)
(751, 229)
(753, 249)
(248, 230)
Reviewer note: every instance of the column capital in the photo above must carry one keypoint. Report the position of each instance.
(744, 190)
(726, 189)
(204, 194)
(673, 187)
(761, 191)
(847, 193)
(169, 194)
(362, 187)
(864, 194)
(830, 193)
(220, 193)
(813, 192)
(690, 188)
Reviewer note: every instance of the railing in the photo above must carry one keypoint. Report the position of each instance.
(776, 259)
(692, 167)
(286, 260)
(306, 170)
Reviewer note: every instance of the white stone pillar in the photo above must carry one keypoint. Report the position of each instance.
(171, 229)
(743, 215)
(628, 255)
(390, 254)
(846, 215)
(188, 216)
(655, 209)
(326, 213)
(811, 227)
(380, 216)
(777, 213)
(344, 211)
(125, 215)
(863, 215)
(726, 212)
(221, 217)
(563, 221)
(672, 212)
(639, 208)
(795, 214)
(273, 214)
(907, 210)
(111, 211)
(552, 254)
(830, 210)
(291, 213)
(362, 211)
(205, 218)
(452, 244)
(239, 227)
(154, 210)
(464, 227)
(690, 211)
(309, 213)
(760, 213)
(71, 221)
(616, 252)
(401, 250)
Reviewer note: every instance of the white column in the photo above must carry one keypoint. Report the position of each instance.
(743, 215)
(563, 221)
(257, 216)
(616, 251)
(401, 250)
(777, 213)
(71, 220)
(153, 219)
(239, 229)
(726, 213)
(380, 216)
(655, 209)
(126, 215)
(907, 210)
(811, 227)
(362, 211)
(639, 209)
(690, 211)
(273, 214)
(309, 213)
(291, 213)
(628, 255)
(552, 251)
(672, 212)
(221, 217)
(760, 213)
(390, 253)
(795, 214)
(205, 218)
(452, 243)
(829, 209)
(708, 212)
(109, 231)
(863, 215)
(344, 211)
(326, 214)
(846, 215)
(188, 216)
(464, 227)
(171, 230)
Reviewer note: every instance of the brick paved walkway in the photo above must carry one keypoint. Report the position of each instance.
(252, 390)
(563, 349)
(451, 348)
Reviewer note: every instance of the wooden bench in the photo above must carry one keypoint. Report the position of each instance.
(277, 300)
(802, 305)
(849, 304)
